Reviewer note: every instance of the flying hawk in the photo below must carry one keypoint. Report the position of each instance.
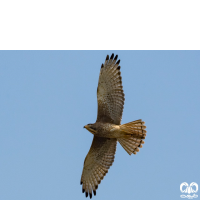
(107, 129)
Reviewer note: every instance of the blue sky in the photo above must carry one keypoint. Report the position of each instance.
(48, 96)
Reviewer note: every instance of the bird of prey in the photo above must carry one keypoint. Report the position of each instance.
(107, 129)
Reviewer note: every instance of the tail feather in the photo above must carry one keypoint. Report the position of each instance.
(135, 128)
(133, 135)
(126, 148)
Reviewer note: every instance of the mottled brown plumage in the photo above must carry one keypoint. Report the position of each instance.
(107, 129)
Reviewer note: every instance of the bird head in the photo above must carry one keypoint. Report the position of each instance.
(91, 128)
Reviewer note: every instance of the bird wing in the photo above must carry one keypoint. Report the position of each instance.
(97, 162)
(110, 94)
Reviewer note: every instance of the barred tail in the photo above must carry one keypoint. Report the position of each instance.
(133, 135)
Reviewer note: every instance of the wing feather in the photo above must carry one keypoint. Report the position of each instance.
(97, 162)
(110, 94)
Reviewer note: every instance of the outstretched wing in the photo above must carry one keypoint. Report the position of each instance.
(110, 95)
(97, 162)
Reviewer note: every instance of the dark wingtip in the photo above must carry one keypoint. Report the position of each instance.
(116, 57)
(102, 66)
(81, 182)
(94, 192)
(107, 57)
(86, 194)
(118, 67)
(112, 56)
(96, 187)
(118, 62)
(83, 190)
(90, 195)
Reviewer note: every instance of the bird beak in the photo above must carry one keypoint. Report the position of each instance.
(86, 126)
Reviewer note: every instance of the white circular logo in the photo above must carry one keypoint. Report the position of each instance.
(186, 188)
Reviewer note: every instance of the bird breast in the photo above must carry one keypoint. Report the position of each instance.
(108, 130)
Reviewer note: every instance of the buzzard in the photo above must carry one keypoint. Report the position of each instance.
(107, 129)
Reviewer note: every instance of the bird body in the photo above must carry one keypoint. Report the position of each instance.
(107, 129)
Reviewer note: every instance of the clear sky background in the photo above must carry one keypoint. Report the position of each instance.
(46, 97)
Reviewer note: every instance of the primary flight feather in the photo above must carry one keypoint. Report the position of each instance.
(107, 129)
